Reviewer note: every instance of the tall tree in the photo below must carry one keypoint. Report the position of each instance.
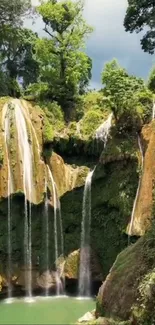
(140, 15)
(16, 56)
(120, 88)
(16, 46)
(12, 11)
(64, 68)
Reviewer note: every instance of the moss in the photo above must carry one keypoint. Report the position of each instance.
(129, 290)
(54, 114)
(90, 122)
(120, 146)
(48, 132)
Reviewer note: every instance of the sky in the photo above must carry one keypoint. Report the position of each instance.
(109, 39)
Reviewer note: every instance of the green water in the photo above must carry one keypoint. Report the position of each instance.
(44, 310)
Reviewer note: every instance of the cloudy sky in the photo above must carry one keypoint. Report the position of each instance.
(110, 40)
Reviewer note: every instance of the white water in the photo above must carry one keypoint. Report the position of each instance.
(138, 189)
(47, 237)
(102, 132)
(153, 110)
(6, 128)
(57, 215)
(85, 274)
(26, 114)
(26, 158)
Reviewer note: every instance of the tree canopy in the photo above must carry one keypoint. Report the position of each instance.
(151, 80)
(65, 69)
(12, 12)
(140, 15)
(120, 87)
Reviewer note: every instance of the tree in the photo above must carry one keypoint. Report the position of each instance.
(151, 81)
(12, 11)
(141, 14)
(16, 56)
(64, 68)
(120, 88)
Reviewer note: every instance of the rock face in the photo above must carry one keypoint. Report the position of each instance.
(87, 318)
(114, 186)
(143, 211)
(66, 177)
(129, 290)
(71, 267)
(21, 129)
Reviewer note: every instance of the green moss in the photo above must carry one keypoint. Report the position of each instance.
(90, 122)
(54, 115)
(48, 132)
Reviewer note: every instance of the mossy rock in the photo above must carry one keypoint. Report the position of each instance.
(129, 290)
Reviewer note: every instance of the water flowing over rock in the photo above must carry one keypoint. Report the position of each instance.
(130, 227)
(23, 151)
(6, 128)
(85, 276)
(57, 225)
(24, 171)
(143, 209)
(102, 132)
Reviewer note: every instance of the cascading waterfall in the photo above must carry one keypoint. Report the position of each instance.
(102, 132)
(85, 276)
(84, 289)
(47, 238)
(57, 219)
(26, 157)
(6, 128)
(138, 189)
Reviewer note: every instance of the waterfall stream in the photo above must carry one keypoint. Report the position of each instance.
(138, 189)
(85, 274)
(47, 238)
(17, 125)
(26, 158)
(6, 128)
(57, 220)
(101, 134)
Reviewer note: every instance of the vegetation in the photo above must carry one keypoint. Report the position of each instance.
(151, 80)
(121, 89)
(64, 69)
(139, 15)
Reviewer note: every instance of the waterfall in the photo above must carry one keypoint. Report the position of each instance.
(153, 110)
(138, 189)
(26, 157)
(6, 128)
(102, 132)
(47, 238)
(57, 220)
(85, 276)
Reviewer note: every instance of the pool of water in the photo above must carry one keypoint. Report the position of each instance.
(44, 310)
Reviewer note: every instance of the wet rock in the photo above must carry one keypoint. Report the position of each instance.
(89, 316)
(71, 268)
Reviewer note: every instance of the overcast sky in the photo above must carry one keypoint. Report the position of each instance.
(110, 40)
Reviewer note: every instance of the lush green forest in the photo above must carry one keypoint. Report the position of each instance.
(56, 68)
(76, 162)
